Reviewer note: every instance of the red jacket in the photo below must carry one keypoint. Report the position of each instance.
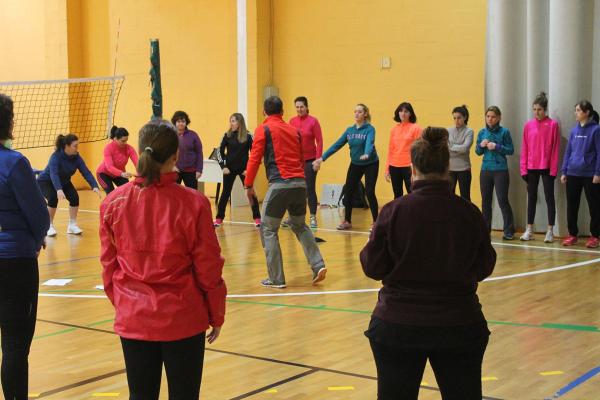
(115, 159)
(162, 261)
(312, 137)
(281, 146)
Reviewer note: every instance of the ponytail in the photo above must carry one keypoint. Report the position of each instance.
(158, 142)
(595, 117)
(64, 140)
(118, 133)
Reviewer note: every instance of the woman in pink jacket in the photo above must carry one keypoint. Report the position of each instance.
(539, 159)
(111, 171)
(162, 270)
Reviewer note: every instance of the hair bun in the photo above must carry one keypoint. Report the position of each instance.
(435, 136)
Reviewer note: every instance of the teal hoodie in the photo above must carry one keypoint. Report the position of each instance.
(361, 141)
(495, 160)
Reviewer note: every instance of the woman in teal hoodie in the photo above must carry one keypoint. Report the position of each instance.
(363, 161)
(494, 143)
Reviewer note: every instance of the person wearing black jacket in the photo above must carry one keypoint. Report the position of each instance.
(430, 249)
(235, 147)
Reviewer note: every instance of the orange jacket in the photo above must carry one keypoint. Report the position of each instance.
(401, 138)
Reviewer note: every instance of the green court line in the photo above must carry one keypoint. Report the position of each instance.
(547, 325)
(68, 330)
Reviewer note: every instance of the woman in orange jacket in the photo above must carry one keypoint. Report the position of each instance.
(406, 131)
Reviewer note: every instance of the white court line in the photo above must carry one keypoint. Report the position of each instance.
(284, 294)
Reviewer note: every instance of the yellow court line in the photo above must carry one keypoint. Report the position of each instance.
(271, 391)
(106, 394)
(548, 373)
(33, 394)
(424, 383)
(339, 388)
(488, 378)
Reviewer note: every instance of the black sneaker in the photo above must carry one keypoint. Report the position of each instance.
(269, 283)
(319, 275)
(508, 236)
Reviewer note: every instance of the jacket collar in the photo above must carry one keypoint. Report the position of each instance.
(170, 177)
(273, 118)
(430, 185)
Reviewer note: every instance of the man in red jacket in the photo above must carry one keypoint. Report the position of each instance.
(281, 146)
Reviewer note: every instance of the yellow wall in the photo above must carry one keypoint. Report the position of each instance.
(331, 53)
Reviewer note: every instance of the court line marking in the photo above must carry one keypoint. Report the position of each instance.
(275, 384)
(573, 384)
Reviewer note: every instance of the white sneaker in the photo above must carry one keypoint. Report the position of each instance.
(527, 235)
(74, 229)
(51, 231)
(549, 237)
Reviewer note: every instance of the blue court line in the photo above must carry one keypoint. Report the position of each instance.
(572, 385)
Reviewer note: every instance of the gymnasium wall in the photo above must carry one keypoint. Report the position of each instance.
(331, 53)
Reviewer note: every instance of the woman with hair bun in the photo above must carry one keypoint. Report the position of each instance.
(111, 171)
(460, 140)
(162, 270)
(55, 180)
(428, 308)
(539, 159)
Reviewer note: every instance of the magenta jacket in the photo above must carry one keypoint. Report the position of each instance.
(312, 137)
(540, 147)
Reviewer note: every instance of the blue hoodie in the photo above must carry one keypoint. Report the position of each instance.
(582, 156)
(24, 217)
(361, 141)
(495, 160)
(61, 168)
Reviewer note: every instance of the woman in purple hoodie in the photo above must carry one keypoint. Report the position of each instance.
(581, 170)
(190, 161)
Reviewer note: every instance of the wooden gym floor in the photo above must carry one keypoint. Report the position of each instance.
(307, 342)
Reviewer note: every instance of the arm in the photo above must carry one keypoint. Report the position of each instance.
(318, 138)
(108, 161)
(222, 148)
(506, 147)
(256, 154)
(108, 252)
(86, 173)
(335, 147)
(389, 154)
(53, 166)
(463, 148)
(133, 156)
(486, 255)
(200, 157)
(566, 156)
(208, 266)
(596, 134)
(478, 149)
(375, 259)
(30, 200)
(370, 142)
(524, 151)
(555, 149)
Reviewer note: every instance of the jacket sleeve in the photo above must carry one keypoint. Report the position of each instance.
(208, 266)
(30, 200)
(524, 151)
(566, 156)
(370, 142)
(108, 162)
(506, 147)
(464, 148)
(133, 156)
(375, 258)
(486, 255)
(555, 149)
(222, 148)
(478, 149)
(256, 154)
(108, 251)
(86, 173)
(596, 134)
(200, 155)
(390, 150)
(53, 168)
(318, 138)
(335, 147)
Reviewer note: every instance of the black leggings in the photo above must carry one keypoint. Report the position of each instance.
(189, 179)
(500, 180)
(183, 360)
(533, 180)
(400, 175)
(228, 181)
(354, 175)
(19, 280)
(311, 178)
(464, 183)
(49, 193)
(108, 182)
(592, 194)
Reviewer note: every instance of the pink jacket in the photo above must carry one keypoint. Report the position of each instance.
(540, 147)
(312, 137)
(115, 159)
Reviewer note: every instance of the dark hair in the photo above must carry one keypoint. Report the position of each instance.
(64, 140)
(595, 116)
(6, 117)
(303, 100)
(462, 110)
(118, 133)
(273, 105)
(494, 109)
(588, 108)
(541, 100)
(180, 115)
(158, 141)
(366, 110)
(242, 132)
(408, 107)
(429, 153)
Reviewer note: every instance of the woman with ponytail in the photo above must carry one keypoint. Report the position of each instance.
(162, 270)
(55, 180)
(539, 159)
(428, 308)
(460, 140)
(111, 171)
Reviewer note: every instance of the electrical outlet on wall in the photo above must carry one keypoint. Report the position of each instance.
(386, 62)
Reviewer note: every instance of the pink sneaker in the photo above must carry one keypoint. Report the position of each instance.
(592, 242)
(569, 241)
(218, 222)
(257, 222)
(344, 226)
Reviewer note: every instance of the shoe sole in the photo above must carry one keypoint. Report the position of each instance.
(569, 244)
(51, 235)
(74, 233)
(320, 276)
(273, 286)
